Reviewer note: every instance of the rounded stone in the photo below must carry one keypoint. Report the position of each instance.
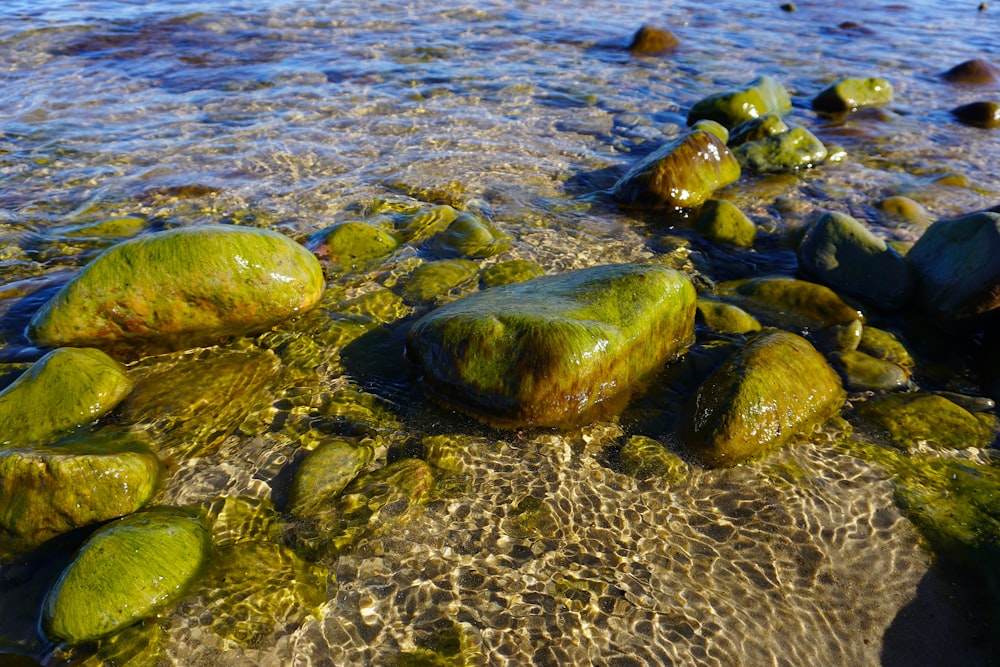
(851, 94)
(910, 419)
(976, 71)
(789, 303)
(725, 318)
(722, 222)
(348, 244)
(863, 372)
(981, 114)
(730, 108)
(324, 473)
(651, 40)
(798, 148)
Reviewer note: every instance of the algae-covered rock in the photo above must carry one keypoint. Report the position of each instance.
(984, 114)
(725, 318)
(349, 244)
(128, 570)
(434, 280)
(754, 129)
(722, 222)
(181, 288)
(324, 473)
(544, 351)
(841, 252)
(788, 303)
(730, 108)
(885, 345)
(469, 236)
(514, 271)
(64, 389)
(911, 419)
(49, 490)
(651, 40)
(840, 337)
(957, 262)
(863, 372)
(681, 174)
(904, 209)
(773, 388)
(850, 94)
(420, 223)
(710, 126)
(798, 148)
(644, 458)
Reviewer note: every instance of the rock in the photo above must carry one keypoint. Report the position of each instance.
(645, 458)
(840, 337)
(851, 94)
(650, 40)
(128, 570)
(64, 389)
(726, 319)
(976, 71)
(773, 388)
(181, 288)
(863, 372)
(730, 108)
(841, 252)
(904, 209)
(434, 280)
(755, 129)
(710, 126)
(418, 224)
(980, 114)
(468, 236)
(788, 303)
(798, 148)
(349, 244)
(49, 490)
(886, 346)
(681, 174)
(722, 222)
(910, 419)
(544, 351)
(957, 262)
(324, 473)
(514, 271)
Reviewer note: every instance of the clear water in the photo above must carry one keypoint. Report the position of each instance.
(297, 114)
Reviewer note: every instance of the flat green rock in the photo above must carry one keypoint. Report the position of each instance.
(910, 419)
(182, 288)
(773, 388)
(544, 351)
(64, 389)
(128, 570)
(850, 94)
(49, 490)
(761, 96)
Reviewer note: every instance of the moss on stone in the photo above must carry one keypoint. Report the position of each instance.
(644, 458)
(722, 222)
(798, 148)
(433, 281)
(470, 237)
(351, 244)
(725, 318)
(324, 473)
(789, 303)
(730, 108)
(757, 128)
(863, 372)
(907, 420)
(514, 271)
(850, 94)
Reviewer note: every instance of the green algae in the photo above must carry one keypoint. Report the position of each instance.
(761, 96)
(470, 237)
(798, 148)
(754, 129)
(324, 473)
(907, 420)
(451, 645)
(352, 244)
(886, 346)
(513, 271)
(863, 372)
(851, 94)
(725, 318)
(722, 222)
(789, 303)
(532, 518)
(433, 282)
(644, 458)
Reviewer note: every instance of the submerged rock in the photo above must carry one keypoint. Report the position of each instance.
(758, 128)
(324, 473)
(911, 419)
(841, 252)
(514, 271)
(798, 148)
(722, 222)
(851, 94)
(680, 174)
(980, 114)
(725, 318)
(977, 71)
(645, 458)
(128, 570)
(904, 209)
(650, 40)
(863, 372)
(730, 108)
(788, 303)
(432, 282)
(773, 388)
(64, 389)
(886, 346)
(348, 244)
(544, 351)
(957, 262)
(471, 237)
(49, 490)
(181, 288)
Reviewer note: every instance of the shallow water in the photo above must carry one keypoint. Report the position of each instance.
(294, 115)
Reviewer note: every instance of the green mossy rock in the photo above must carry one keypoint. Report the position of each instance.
(725, 318)
(985, 114)
(722, 222)
(850, 94)
(788, 303)
(64, 389)
(432, 282)
(645, 458)
(957, 262)
(866, 373)
(514, 271)
(755, 129)
(468, 236)
(351, 244)
(909, 419)
(798, 148)
(128, 570)
(773, 388)
(718, 129)
(841, 252)
(181, 288)
(904, 209)
(419, 223)
(841, 337)
(324, 473)
(650, 41)
(761, 96)
(49, 490)
(680, 174)
(885, 345)
(544, 351)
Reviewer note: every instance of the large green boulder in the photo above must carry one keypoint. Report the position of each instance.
(773, 388)
(182, 288)
(543, 351)
(128, 570)
(798, 148)
(64, 389)
(49, 490)
(730, 108)
(850, 94)
(841, 252)
(680, 174)
(957, 262)
(788, 303)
